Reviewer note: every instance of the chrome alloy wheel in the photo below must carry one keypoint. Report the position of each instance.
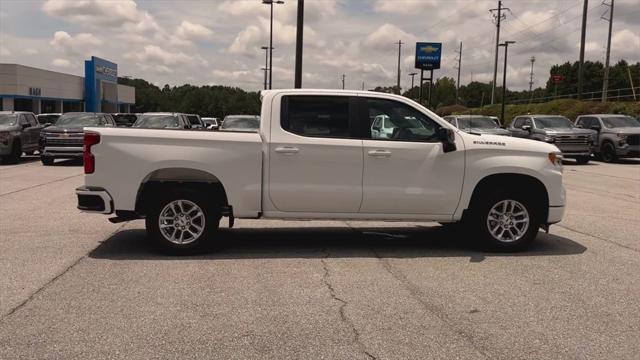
(181, 222)
(508, 221)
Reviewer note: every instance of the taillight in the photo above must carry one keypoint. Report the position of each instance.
(90, 139)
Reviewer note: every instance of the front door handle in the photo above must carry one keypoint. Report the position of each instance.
(381, 153)
(287, 150)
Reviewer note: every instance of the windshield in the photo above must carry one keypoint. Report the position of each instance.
(69, 120)
(406, 122)
(244, 122)
(478, 122)
(8, 119)
(551, 122)
(157, 121)
(620, 121)
(125, 119)
(48, 119)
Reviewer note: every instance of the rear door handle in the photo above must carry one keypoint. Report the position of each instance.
(381, 153)
(287, 150)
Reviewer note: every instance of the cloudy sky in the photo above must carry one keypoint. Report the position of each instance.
(218, 41)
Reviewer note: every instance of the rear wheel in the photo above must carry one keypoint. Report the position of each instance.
(180, 222)
(506, 220)
(608, 152)
(46, 161)
(15, 155)
(583, 160)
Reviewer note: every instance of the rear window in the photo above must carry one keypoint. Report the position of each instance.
(125, 119)
(316, 116)
(193, 120)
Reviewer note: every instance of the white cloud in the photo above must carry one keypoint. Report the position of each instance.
(4, 51)
(625, 44)
(405, 7)
(161, 60)
(386, 35)
(191, 32)
(82, 44)
(62, 63)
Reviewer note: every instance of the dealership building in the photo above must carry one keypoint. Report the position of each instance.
(25, 88)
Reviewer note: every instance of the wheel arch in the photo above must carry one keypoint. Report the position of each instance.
(168, 179)
(532, 185)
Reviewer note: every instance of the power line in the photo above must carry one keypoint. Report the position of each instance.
(498, 17)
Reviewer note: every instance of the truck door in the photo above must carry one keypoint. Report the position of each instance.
(408, 173)
(315, 155)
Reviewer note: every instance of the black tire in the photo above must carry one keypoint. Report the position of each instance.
(583, 160)
(211, 217)
(46, 161)
(479, 224)
(15, 155)
(608, 152)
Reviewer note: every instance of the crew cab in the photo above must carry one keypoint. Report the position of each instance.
(315, 157)
(574, 142)
(617, 136)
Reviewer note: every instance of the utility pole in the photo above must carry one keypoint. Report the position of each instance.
(413, 74)
(399, 55)
(605, 82)
(270, 3)
(504, 79)
(499, 17)
(633, 89)
(582, 39)
(266, 64)
(343, 76)
(533, 59)
(299, 27)
(459, 65)
(363, 86)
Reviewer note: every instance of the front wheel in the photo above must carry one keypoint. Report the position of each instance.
(15, 155)
(180, 222)
(583, 160)
(507, 220)
(46, 161)
(608, 152)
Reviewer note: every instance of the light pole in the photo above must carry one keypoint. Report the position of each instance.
(266, 64)
(504, 78)
(270, 3)
(413, 74)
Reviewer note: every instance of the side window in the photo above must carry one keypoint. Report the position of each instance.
(377, 123)
(22, 119)
(527, 121)
(401, 122)
(585, 122)
(317, 116)
(32, 120)
(517, 123)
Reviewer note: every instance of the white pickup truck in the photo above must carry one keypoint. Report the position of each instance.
(317, 156)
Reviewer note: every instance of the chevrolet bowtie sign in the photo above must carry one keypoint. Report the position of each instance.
(428, 55)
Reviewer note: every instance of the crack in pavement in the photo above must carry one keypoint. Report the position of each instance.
(38, 185)
(597, 237)
(50, 282)
(356, 335)
(416, 293)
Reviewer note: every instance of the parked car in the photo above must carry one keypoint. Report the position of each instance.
(384, 127)
(48, 118)
(313, 158)
(558, 130)
(496, 120)
(211, 123)
(124, 119)
(162, 120)
(195, 121)
(616, 136)
(477, 124)
(19, 132)
(64, 140)
(246, 123)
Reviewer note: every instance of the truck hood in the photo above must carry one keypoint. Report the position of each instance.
(506, 143)
(495, 131)
(567, 131)
(9, 127)
(625, 130)
(57, 129)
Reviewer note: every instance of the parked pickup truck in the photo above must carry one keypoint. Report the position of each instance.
(315, 157)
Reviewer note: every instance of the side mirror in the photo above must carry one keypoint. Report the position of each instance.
(595, 127)
(526, 127)
(448, 139)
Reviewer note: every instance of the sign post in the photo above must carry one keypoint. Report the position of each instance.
(428, 55)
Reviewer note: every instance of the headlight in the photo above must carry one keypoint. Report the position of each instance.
(555, 158)
(549, 139)
(622, 137)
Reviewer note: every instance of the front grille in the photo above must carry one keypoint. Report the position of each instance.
(573, 139)
(633, 139)
(64, 141)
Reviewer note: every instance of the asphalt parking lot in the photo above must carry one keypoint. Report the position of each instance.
(77, 286)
